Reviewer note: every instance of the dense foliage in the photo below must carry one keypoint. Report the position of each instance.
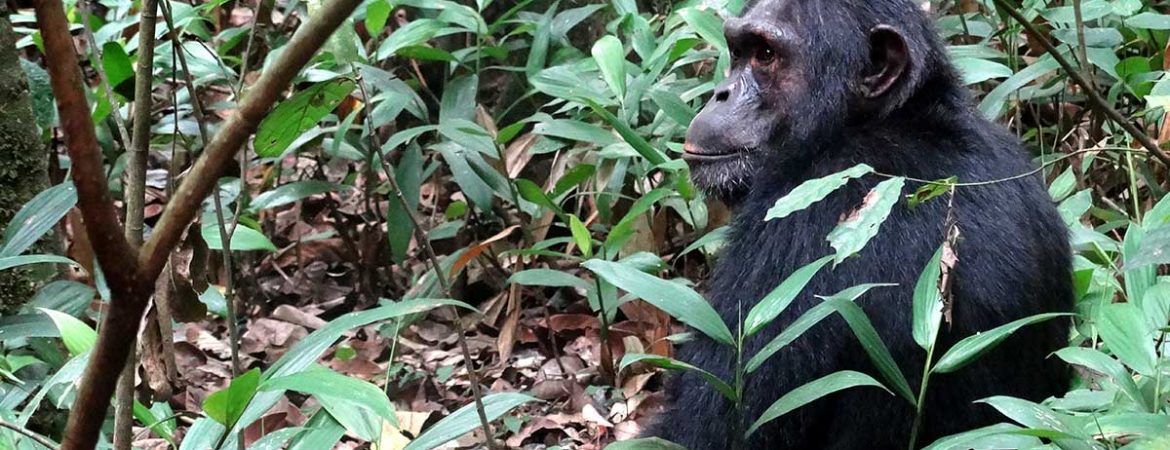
(537, 145)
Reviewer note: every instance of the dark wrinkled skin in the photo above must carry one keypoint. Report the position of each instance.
(846, 82)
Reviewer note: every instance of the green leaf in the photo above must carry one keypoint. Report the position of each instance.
(549, 278)
(805, 322)
(770, 307)
(581, 236)
(1128, 336)
(813, 391)
(611, 59)
(465, 419)
(620, 233)
(323, 432)
(339, 393)
(673, 106)
(77, 336)
(672, 364)
(707, 25)
(653, 155)
(458, 100)
(813, 191)
(645, 444)
(1096, 360)
(1149, 21)
(414, 32)
(227, 405)
(928, 302)
(971, 347)
(243, 239)
(377, 13)
(850, 236)
(37, 217)
(681, 302)
(873, 345)
(119, 69)
(23, 260)
(575, 130)
(308, 350)
(291, 193)
(533, 193)
(298, 114)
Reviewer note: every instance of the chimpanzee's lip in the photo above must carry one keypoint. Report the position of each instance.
(692, 152)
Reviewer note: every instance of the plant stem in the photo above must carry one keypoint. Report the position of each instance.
(920, 406)
(444, 283)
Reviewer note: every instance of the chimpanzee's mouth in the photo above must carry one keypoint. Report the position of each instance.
(692, 152)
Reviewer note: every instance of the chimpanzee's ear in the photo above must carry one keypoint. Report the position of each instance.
(889, 57)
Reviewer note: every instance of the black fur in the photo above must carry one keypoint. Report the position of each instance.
(1013, 258)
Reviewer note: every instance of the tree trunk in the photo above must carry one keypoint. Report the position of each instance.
(22, 158)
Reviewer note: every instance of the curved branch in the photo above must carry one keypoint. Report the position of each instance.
(1095, 98)
(131, 279)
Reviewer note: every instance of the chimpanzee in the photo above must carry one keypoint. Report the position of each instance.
(815, 87)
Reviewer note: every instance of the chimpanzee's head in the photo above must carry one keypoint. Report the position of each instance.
(800, 71)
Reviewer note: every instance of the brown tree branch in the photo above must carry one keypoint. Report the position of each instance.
(131, 279)
(1095, 99)
(235, 131)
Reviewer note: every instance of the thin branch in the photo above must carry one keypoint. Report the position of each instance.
(135, 203)
(1095, 98)
(43, 441)
(131, 280)
(444, 284)
(236, 130)
(129, 292)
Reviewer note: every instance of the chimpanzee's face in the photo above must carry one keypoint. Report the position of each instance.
(782, 85)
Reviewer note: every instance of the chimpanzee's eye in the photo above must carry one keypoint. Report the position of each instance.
(764, 56)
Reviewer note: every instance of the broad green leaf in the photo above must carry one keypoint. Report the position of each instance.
(276, 439)
(1029, 414)
(306, 352)
(622, 232)
(673, 106)
(533, 193)
(928, 302)
(466, 419)
(291, 193)
(549, 278)
(770, 307)
(850, 236)
(681, 302)
(9, 262)
(1149, 21)
(323, 432)
(644, 444)
(965, 439)
(37, 217)
(673, 364)
(581, 236)
(707, 25)
(878, 353)
(243, 239)
(298, 114)
(1096, 360)
(805, 322)
(77, 336)
(971, 347)
(202, 435)
(228, 404)
(458, 100)
(575, 130)
(611, 59)
(569, 83)
(377, 13)
(339, 393)
(978, 70)
(119, 68)
(413, 33)
(813, 391)
(813, 191)
(1128, 336)
(653, 155)
(994, 103)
